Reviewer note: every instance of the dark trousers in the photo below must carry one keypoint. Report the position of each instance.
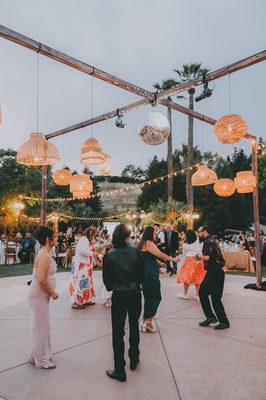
(123, 304)
(213, 285)
(171, 253)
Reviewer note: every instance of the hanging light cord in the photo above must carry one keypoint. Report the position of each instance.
(37, 92)
(229, 92)
(92, 79)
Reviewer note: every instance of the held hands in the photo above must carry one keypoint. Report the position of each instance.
(54, 296)
(175, 260)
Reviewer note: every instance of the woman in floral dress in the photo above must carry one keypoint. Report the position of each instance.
(81, 286)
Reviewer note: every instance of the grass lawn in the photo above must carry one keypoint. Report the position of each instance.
(20, 269)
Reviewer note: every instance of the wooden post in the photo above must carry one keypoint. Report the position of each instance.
(170, 180)
(44, 189)
(256, 209)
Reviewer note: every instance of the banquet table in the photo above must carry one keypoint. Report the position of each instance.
(238, 260)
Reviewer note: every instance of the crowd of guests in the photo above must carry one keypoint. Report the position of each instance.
(129, 268)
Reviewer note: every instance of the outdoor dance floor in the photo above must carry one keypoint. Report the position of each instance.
(182, 361)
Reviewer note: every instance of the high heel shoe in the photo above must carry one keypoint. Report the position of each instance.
(148, 327)
(143, 327)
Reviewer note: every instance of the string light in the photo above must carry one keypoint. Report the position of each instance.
(55, 215)
(109, 192)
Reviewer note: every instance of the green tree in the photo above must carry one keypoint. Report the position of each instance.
(135, 173)
(166, 85)
(188, 73)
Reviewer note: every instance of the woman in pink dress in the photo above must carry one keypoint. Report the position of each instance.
(42, 289)
(192, 271)
(81, 291)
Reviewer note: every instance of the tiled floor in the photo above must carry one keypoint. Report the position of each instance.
(181, 361)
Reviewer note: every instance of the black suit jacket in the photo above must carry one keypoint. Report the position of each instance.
(173, 246)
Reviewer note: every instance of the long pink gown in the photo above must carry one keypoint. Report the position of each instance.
(38, 298)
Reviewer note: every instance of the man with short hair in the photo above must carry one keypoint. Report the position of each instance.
(123, 273)
(159, 236)
(213, 283)
(171, 247)
(28, 245)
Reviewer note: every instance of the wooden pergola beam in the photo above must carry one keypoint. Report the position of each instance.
(162, 98)
(123, 110)
(219, 73)
(72, 62)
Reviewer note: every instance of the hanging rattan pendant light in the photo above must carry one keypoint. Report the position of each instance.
(224, 187)
(107, 165)
(91, 153)
(245, 182)
(62, 177)
(37, 151)
(81, 186)
(230, 128)
(203, 176)
(155, 129)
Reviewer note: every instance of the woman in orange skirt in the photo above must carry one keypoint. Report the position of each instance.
(192, 271)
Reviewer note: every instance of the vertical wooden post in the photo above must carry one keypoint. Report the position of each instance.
(44, 189)
(170, 180)
(256, 209)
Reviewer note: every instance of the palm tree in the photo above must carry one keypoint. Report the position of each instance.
(188, 73)
(166, 85)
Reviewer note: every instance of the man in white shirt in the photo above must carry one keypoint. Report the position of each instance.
(160, 236)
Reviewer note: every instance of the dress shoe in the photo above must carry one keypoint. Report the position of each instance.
(134, 364)
(222, 326)
(119, 376)
(208, 321)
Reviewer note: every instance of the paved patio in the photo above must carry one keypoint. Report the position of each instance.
(181, 361)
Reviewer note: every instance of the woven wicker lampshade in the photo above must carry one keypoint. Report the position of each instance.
(107, 165)
(224, 187)
(155, 129)
(62, 177)
(203, 176)
(37, 151)
(230, 128)
(81, 186)
(245, 182)
(91, 153)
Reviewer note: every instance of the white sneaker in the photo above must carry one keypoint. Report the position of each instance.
(183, 296)
(196, 298)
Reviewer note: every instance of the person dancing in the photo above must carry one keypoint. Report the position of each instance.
(123, 273)
(151, 286)
(42, 288)
(213, 283)
(192, 271)
(81, 291)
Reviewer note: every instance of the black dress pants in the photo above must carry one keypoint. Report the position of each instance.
(124, 304)
(168, 264)
(213, 285)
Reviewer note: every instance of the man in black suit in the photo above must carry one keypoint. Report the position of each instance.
(171, 247)
(123, 273)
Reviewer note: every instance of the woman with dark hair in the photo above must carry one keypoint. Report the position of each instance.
(123, 272)
(192, 271)
(81, 289)
(42, 289)
(151, 286)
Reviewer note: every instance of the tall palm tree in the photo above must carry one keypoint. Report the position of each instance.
(166, 85)
(188, 73)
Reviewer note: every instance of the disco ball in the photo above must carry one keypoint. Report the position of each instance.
(155, 129)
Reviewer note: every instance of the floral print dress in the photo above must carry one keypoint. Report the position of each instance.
(81, 289)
